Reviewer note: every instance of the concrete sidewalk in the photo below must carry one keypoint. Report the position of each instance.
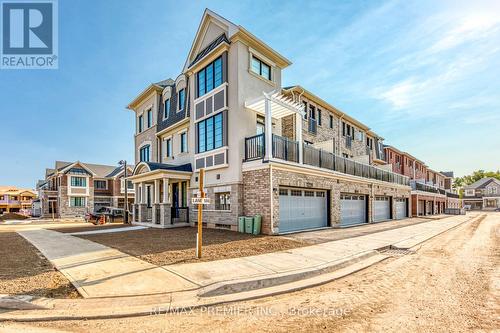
(99, 271)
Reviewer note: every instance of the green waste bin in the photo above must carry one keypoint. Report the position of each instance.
(241, 224)
(248, 224)
(257, 219)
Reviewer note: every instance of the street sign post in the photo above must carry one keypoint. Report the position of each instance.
(200, 215)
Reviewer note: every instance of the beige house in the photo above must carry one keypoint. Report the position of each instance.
(280, 152)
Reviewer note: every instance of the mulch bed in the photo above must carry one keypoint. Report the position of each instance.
(12, 216)
(170, 246)
(25, 271)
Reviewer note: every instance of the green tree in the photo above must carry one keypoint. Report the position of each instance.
(474, 177)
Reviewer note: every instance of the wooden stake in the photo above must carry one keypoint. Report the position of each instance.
(200, 216)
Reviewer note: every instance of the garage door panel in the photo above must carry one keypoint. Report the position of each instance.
(302, 209)
(381, 209)
(401, 208)
(352, 209)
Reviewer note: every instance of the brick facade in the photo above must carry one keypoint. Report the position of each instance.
(258, 198)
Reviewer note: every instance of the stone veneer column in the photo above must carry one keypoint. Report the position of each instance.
(165, 214)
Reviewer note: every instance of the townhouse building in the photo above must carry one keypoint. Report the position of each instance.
(16, 200)
(72, 189)
(484, 194)
(432, 191)
(283, 153)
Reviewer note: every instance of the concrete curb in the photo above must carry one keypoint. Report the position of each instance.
(240, 285)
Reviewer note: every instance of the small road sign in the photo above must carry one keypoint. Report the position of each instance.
(200, 201)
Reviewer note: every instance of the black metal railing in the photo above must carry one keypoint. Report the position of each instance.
(255, 147)
(417, 186)
(288, 150)
(136, 213)
(285, 149)
(452, 195)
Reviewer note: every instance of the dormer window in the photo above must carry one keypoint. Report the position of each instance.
(182, 99)
(261, 68)
(209, 77)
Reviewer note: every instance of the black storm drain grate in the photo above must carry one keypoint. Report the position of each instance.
(394, 251)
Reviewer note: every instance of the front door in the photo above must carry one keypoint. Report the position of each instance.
(175, 195)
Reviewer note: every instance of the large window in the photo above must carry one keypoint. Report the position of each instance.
(210, 77)
(167, 109)
(150, 118)
(100, 184)
(182, 99)
(141, 123)
(261, 68)
(184, 147)
(144, 154)
(78, 181)
(210, 133)
(77, 201)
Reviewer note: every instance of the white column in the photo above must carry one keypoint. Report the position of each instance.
(165, 190)
(269, 130)
(157, 191)
(136, 191)
(298, 135)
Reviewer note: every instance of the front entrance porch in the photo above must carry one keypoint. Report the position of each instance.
(161, 198)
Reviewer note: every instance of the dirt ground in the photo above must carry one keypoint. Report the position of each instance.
(451, 284)
(165, 247)
(89, 227)
(23, 270)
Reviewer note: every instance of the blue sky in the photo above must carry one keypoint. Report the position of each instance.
(425, 75)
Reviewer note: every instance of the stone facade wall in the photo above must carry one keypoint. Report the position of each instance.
(224, 219)
(66, 211)
(257, 192)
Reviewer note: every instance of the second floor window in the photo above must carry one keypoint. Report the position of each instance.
(261, 68)
(210, 133)
(100, 184)
(319, 117)
(210, 77)
(77, 202)
(78, 181)
(167, 109)
(150, 118)
(331, 121)
(141, 123)
(184, 147)
(144, 154)
(168, 148)
(182, 101)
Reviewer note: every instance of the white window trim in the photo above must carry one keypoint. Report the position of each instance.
(101, 179)
(254, 53)
(185, 130)
(145, 143)
(165, 139)
(76, 196)
(179, 100)
(164, 100)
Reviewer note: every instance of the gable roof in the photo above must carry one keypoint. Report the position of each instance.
(219, 40)
(482, 183)
(97, 170)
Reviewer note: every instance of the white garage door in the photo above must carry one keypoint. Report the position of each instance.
(352, 209)
(302, 209)
(401, 209)
(381, 209)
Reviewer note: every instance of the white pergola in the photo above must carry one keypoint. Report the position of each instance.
(276, 105)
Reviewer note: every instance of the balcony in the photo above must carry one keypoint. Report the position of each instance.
(416, 186)
(288, 150)
(452, 195)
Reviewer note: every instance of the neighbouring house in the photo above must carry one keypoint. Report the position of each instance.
(483, 194)
(72, 189)
(18, 200)
(432, 192)
(283, 153)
